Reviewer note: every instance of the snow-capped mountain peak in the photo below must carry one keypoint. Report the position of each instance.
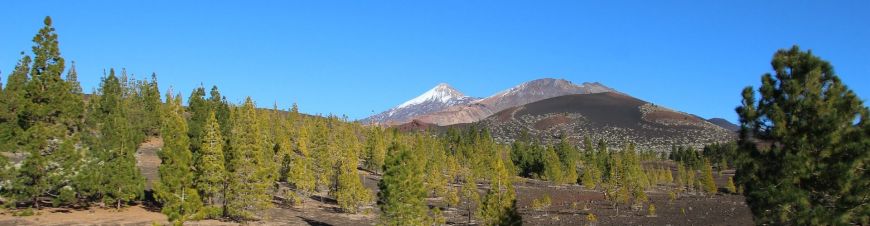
(442, 93)
(444, 105)
(439, 98)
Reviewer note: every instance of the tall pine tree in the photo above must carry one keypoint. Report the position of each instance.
(48, 117)
(552, 166)
(499, 205)
(300, 174)
(806, 145)
(111, 174)
(151, 106)
(176, 189)
(350, 194)
(198, 109)
(707, 178)
(376, 149)
(568, 156)
(211, 174)
(248, 183)
(402, 196)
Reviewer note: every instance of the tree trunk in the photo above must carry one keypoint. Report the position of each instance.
(119, 200)
(469, 214)
(182, 200)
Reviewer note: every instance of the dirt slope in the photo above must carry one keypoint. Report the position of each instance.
(614, 117)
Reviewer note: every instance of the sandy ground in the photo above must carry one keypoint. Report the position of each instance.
(134, 215)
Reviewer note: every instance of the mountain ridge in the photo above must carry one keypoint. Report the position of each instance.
(435, 99)
(444, 105)
(479, 108)
(612, 117)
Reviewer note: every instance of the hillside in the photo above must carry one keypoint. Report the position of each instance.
(610, 116)
(724, 124)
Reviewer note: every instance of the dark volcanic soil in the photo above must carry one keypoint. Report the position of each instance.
(690, 210)
(612, 117)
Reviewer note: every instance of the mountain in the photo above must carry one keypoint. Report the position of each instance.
(724, 124)
(439, 98)
(613, 117)
(525, 93)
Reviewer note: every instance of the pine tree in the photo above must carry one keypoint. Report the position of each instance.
(13, 104)
(591, 175)
(602, 158)
(48, 114)
(270, 148)
(222, 112)
(707, 179)
(321, 156)
(436, 180)
(324, 155)
(285, 144)
(402, 195)
(46, 89)
(376, 148)
(526, 156)
(31, 181)
(437, 217)
(635, 179)
(211, 174)
(53, 102)
(691, 182)
(301, 175)
(8, 175)
(73, 99)
(470, 194)
(117, 180)
(669, 176)
(453, 170)
(588, 179)
(176, 189)
(151, 106)
(681, 177)
(805, 142)
(499, 203)
(198, 109)
(568, 157)
(730, 186)
(552, 166)
(588, 149)
(248, 184)
(132, 102)
(615, 188)
(635, 169)
(351, 195)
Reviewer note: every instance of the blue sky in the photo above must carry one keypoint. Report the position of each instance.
(359, 57)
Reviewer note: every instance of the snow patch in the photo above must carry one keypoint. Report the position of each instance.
(442, 93)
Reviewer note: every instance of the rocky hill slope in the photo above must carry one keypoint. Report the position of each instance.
(614, 117)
